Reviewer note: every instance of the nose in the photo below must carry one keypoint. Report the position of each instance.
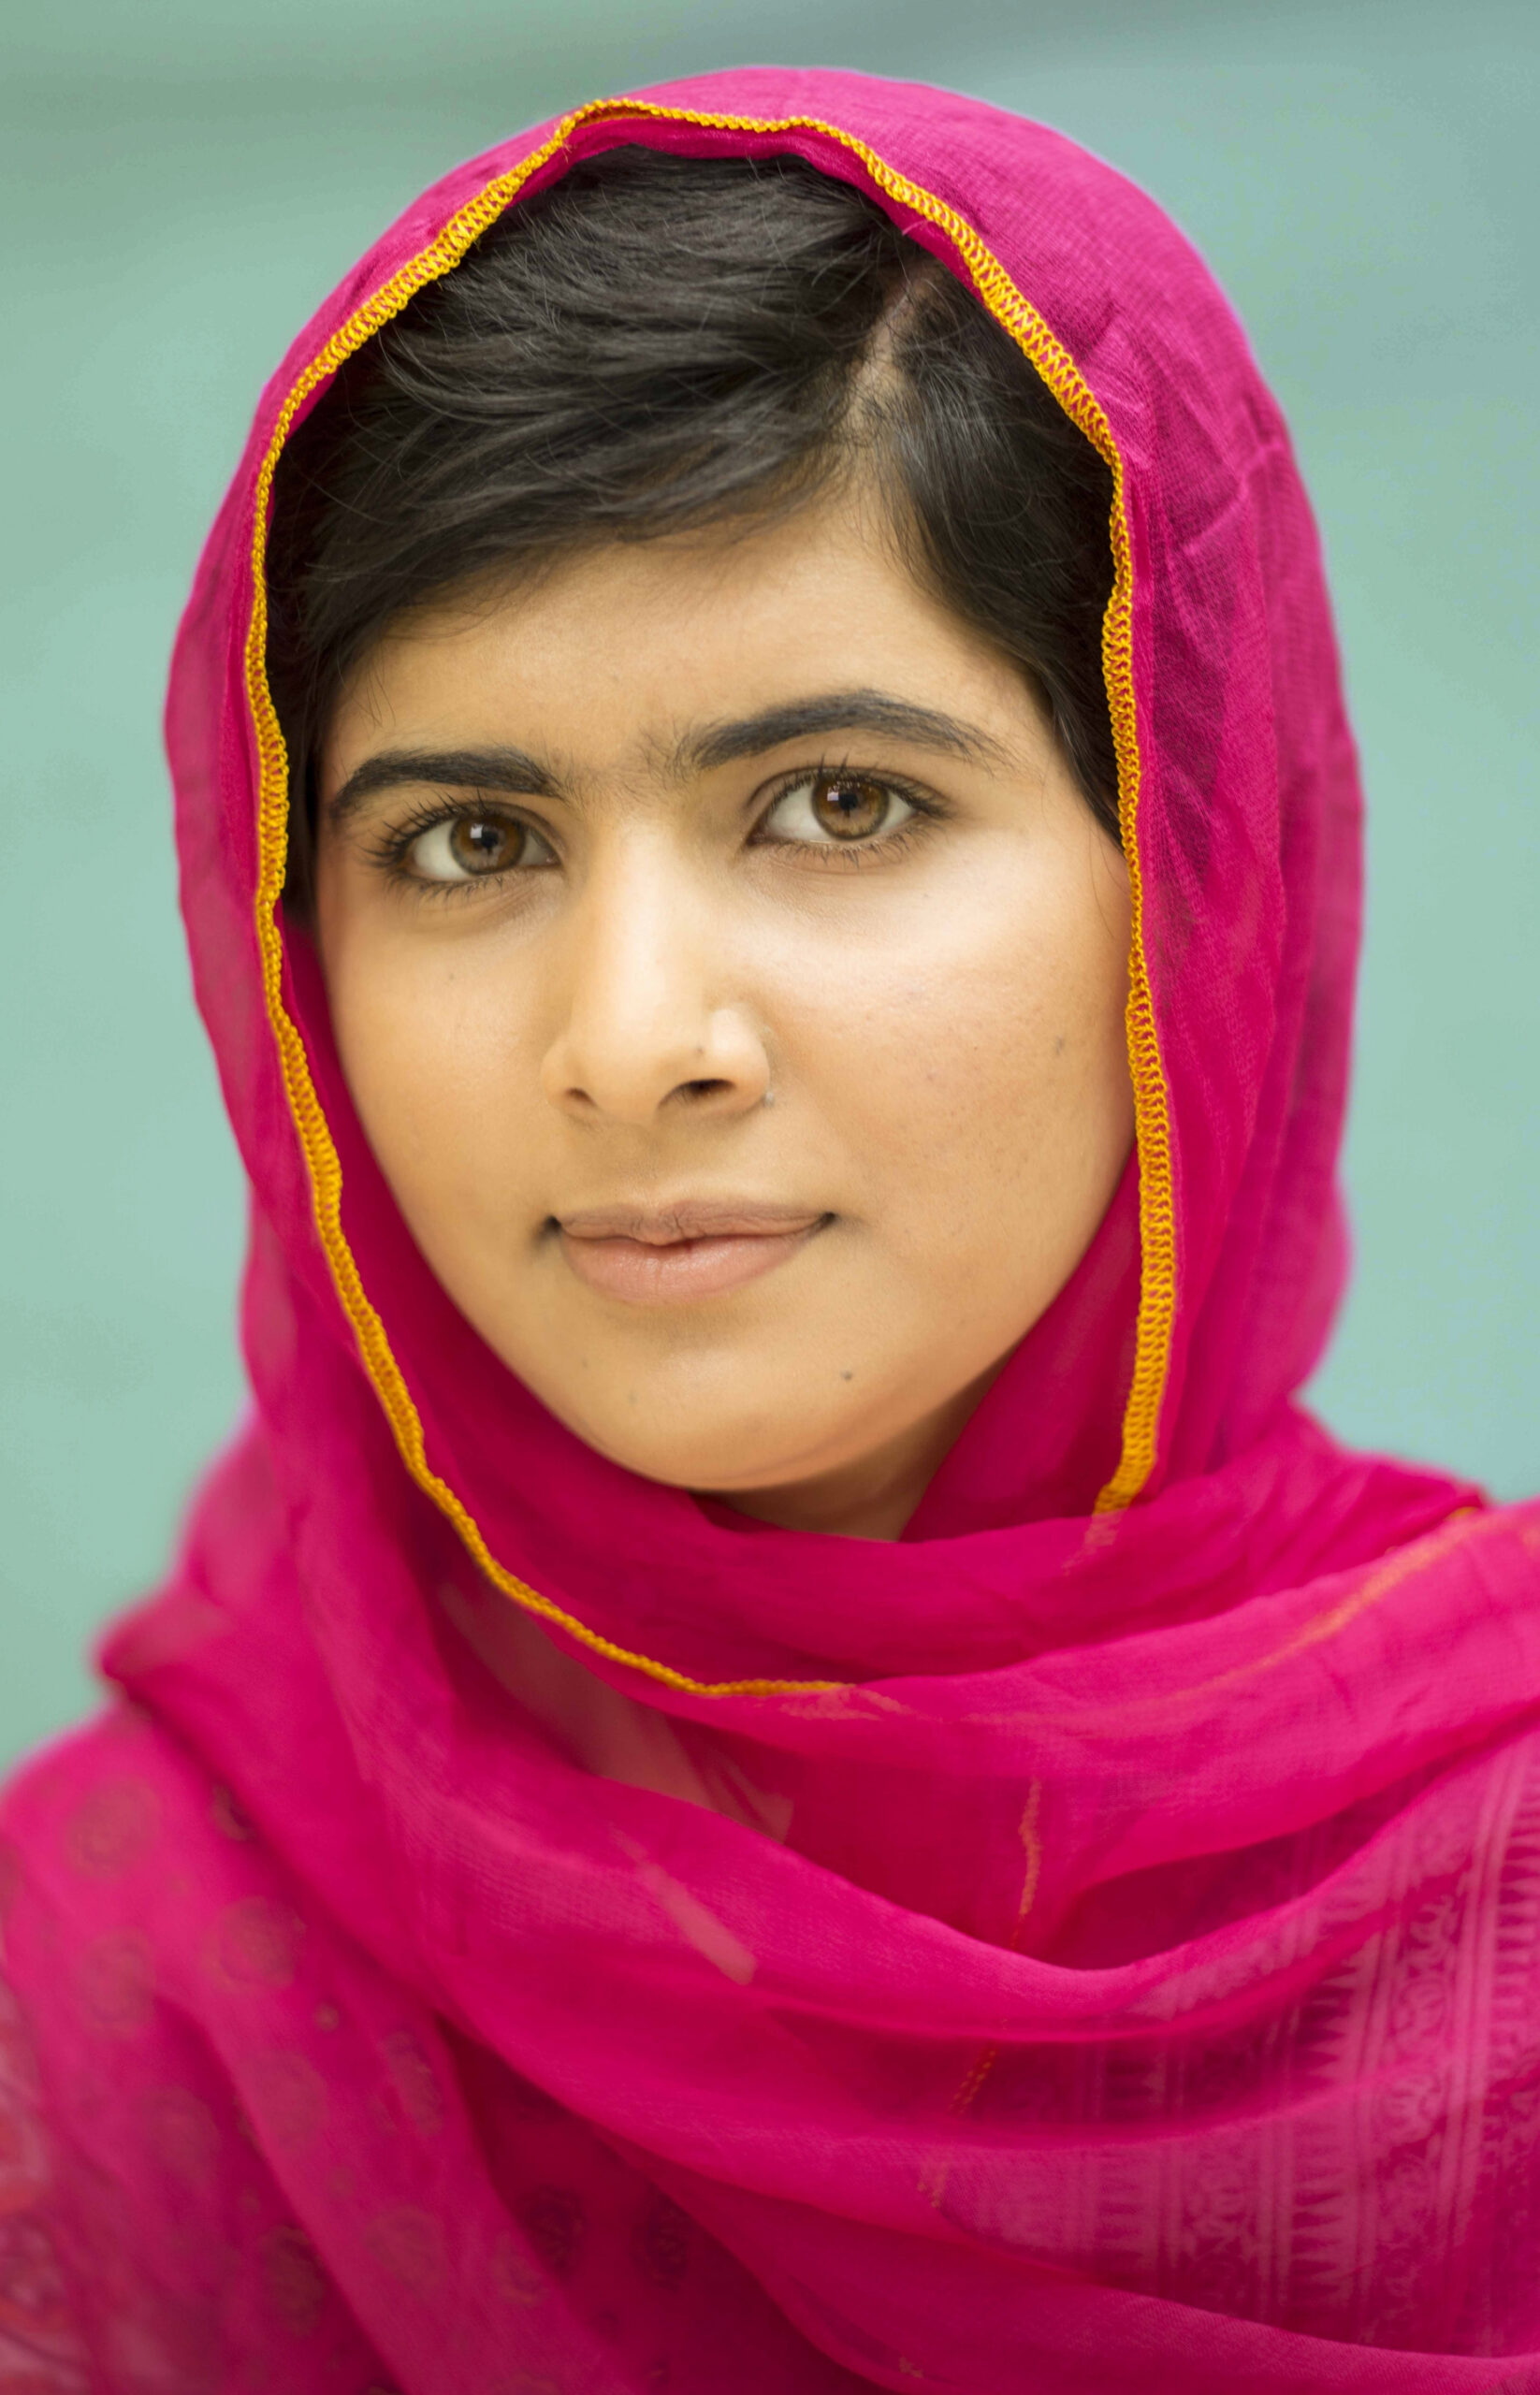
(648, 1027)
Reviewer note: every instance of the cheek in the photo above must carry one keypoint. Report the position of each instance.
(984, 1085)
(430, 1045)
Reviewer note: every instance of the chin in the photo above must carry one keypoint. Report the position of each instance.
(709, 1454)
(710, 1464)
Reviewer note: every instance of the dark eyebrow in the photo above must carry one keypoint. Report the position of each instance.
(505, 769)
(519, 775)
(871, 711)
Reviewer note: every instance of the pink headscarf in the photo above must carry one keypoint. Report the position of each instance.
(1111, 1956)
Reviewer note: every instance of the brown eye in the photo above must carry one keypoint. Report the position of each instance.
(850, 808)
(823, 810)
(481, 843)
(470, 847)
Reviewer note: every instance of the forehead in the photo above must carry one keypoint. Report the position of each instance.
(630, 648)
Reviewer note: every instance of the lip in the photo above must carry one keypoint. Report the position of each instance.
(679, 1255)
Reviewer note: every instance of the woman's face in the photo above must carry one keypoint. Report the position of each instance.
(730, 980)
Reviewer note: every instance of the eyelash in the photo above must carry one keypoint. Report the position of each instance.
(390, 850)
(852, 856)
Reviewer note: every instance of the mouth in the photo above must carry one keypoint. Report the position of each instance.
(679, 1255)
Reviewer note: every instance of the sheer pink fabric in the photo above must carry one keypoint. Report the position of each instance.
(1126, 1974)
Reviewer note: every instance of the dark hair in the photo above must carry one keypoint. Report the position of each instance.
(656, 344)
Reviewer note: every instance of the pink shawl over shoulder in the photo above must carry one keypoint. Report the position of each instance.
(1109, 1957)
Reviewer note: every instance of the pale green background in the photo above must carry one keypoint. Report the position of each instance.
(181, 181)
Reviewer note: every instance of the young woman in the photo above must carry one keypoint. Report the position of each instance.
(779, 1761)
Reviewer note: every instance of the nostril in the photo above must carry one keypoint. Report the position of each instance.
(702, 1089)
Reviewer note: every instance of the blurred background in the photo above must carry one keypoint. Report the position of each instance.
(183, 179)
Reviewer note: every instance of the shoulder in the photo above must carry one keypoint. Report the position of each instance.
(40, 2352)
(79, 1816)
(137, 1900)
